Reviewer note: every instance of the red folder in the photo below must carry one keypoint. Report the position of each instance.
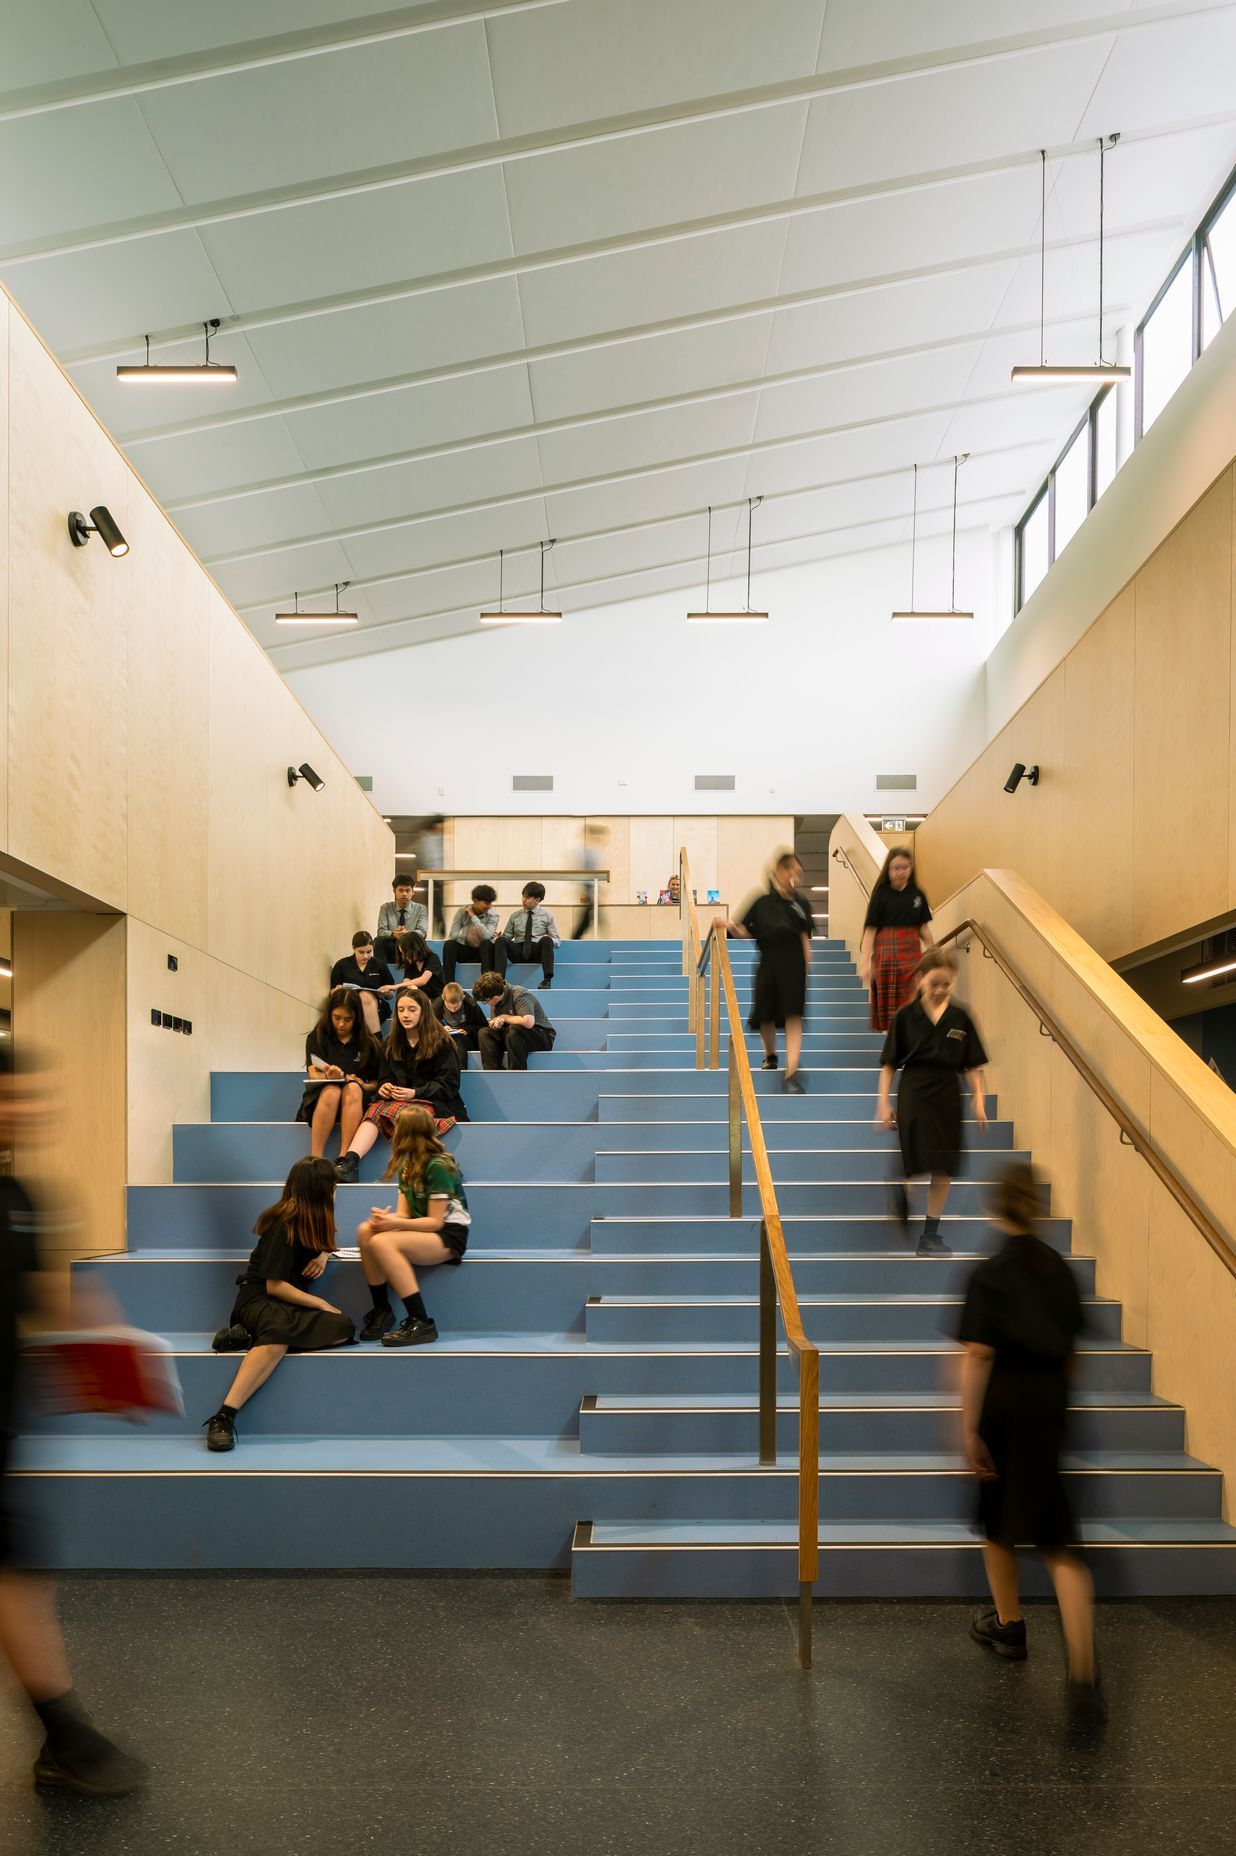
(113, 1371)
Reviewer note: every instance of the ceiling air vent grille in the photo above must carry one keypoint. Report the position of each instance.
(532, 782)
(714, 782)
(896, 782)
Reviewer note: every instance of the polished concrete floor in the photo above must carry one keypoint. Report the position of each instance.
(475, 1714)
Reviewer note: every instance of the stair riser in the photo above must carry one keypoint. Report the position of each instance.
(873, 1162)
(666, 1199)
(802, 1111)
(869, 1324)
(805, 1236)
(846, 1071)
(666, 1136)
(817, 1042)
(843, 1014)
(637, 1433)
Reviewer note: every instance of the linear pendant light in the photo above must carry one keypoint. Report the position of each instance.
(539, 617)
(297, 617)
(746, 617)
(1094, 371)
(913, 615)
(195, 373)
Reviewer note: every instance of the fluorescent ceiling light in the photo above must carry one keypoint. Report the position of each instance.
(190, 373)
(6, 968)
(521, 618)
(325, 617)
(916, 618)
(1210, 970)
(912, 614)
(1098, 371)
(708, 616)
(727, 618)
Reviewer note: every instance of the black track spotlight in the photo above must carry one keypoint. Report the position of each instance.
(101, 523)
(305, 772)
(1021, 772)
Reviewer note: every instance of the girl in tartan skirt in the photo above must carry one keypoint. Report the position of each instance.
(895, 935)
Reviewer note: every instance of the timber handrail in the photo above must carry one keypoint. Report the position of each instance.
(706, 959)
(1131, 1133)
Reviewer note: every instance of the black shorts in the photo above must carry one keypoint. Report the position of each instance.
(455, 1237)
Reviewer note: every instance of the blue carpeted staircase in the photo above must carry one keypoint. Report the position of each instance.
(591, 1403)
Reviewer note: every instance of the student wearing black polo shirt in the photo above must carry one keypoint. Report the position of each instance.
(779, 922)
(369, 977)
(341, 1064)
(517, 1024)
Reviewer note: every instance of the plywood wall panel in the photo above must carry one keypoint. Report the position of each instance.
(241, 771)
(612, 844)
(169, 1078)
(1096, 772)
(745, 846)
(654, 855)
(699, 837)
(4, 573)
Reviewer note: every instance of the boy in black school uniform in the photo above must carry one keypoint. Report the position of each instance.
(462, 1016)
(532, 934)
(474, 935)
(517, 1024)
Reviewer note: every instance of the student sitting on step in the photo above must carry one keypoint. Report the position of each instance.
(474, 935)
(368, 977)
(418, 965)
(462, 1017)
(277, 1309)
(517, 1024)
(341, 1061)
(429, 1225)
(418, 1064)
(532, 934)
(395, 916)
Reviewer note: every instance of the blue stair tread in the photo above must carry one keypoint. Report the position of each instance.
(855, 1401)
(456, 1340)
(1113, 1531)
(804, 1301)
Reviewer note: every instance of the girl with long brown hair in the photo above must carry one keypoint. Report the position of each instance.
(419, 1063)
(429, 1225)
(277, 1309)
(895, 937)
(341, 1066)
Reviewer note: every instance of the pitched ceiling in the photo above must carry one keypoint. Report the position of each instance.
(577, 268)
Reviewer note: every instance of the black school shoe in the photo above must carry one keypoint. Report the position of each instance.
(792, 1084)
(546, 986)
(898, 1203)
(1086, 1717)
(411, 1333)
(94, 1768)
(377, 1324)
(346, 1169)
(770, 1063)
(932, 1247)
(220, 1432)
(232, 1340)
(1007, 1640)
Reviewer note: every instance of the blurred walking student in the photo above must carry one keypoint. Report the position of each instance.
(369, 977)
(1019, 1326)
(780, 923)
(591, 857)
(429, 1225)
(461, 1016)
(517, 1024)
(341, 1059)
(418, 965)
(397, 915)
(532, 934)
(418, 1063)
(474, 935)
(277, 1308)
(895, 936)
(74, 1755)
(935, 1044)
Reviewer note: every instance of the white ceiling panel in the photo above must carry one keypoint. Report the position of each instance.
(1046, 413)
(642, 499)
(887, 389)
(439, 483)
(196, 464)
(392, 102)
(1163, 178)
(158, 284)
(648, 438)
(360, 241)
(1171, 72)
(659, 283)
(577, 195)
(438, 413)
(846, 454)
(646, 547)
(48, 167)
(591, 59)
(141, 31)
(386, 341)
(862, 32)
(473, 582)
(441, 540)
(267, 578)
(654, 367)
(900, 316)
(221, 529)
(53, 41)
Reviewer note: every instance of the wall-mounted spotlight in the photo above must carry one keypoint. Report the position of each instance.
(305, 772)
(101, 523)
(192, 373)
(1021, 772)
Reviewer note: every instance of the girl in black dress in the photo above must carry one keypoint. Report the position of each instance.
(934, 1043)
(276, 1308)
(341, 1061)
(1019, 1326)
(419, 965)
(419, 1063)
(780, 923)
(895, 936)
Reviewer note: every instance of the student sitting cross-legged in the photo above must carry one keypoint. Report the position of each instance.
(368, 977)
(517, 1024)
(532, 934)
(341, 1064)
(429, 1225)
(418, 1064)
(462, 1017)
(474, 935)
(277, 1309)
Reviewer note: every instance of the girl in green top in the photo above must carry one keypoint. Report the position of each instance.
(429, 1225)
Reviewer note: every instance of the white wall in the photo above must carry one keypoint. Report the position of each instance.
(624, 705)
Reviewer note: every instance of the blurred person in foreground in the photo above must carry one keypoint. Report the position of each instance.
(1019, 1326)
(75, 1756)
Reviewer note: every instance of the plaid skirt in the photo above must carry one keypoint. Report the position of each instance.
(386, 1113)
(894, 973)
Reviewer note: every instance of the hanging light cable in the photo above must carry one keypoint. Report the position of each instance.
(297, 617)
(912, 615)
(746, 616)
(188, 373)
(539, 617)
(1044, 370)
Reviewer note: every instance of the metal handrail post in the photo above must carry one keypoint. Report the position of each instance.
(768, 1352)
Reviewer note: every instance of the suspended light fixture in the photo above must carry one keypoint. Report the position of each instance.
(708, 616)
(192, 373)
(539, 617)
(1044, 370)
(913, 615)
(297, 617)
(1219, 959)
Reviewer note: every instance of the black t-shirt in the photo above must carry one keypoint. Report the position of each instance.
(432, 1079)
(952, 1043)
(349, 972)
(898, 908)
(19, 1262)
(431, 965)
(1023, 1302)
(353, 1058)
(275, 1260)
(777, 920)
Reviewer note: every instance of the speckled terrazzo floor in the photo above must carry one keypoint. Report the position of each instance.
(465, 1714)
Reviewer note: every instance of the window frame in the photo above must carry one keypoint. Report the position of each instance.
(1188, 255)
(1045, 489)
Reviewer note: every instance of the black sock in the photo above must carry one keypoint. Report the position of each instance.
(381, 1296)
(229, 1411)
(931, 1226)
(66, 1723)
(414, 1307)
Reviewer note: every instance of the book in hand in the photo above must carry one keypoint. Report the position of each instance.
(111, 1371)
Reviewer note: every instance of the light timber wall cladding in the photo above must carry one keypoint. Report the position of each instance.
(1131, 832)
(147, 738)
